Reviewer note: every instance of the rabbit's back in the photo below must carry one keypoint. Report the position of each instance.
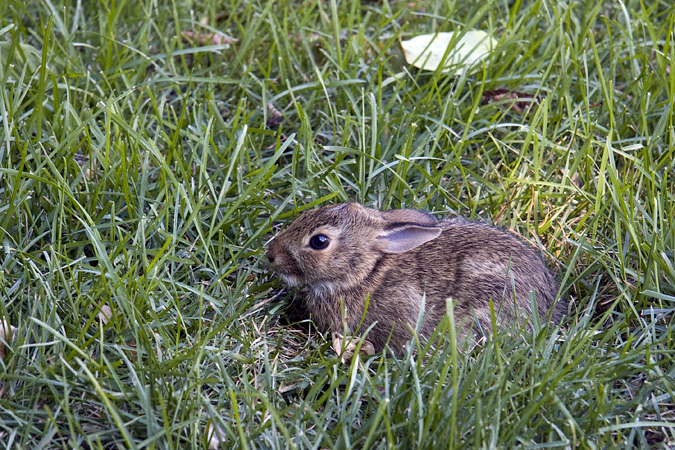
(473, 263)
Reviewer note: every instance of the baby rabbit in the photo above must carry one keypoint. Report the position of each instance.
(344, 253)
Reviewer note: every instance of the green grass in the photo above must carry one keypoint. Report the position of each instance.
(145, 174)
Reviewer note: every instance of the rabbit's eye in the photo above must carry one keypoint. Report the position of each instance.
(319, 242)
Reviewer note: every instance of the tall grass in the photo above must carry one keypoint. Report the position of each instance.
(141, 175)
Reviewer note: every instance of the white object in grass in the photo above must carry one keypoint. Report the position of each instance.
(7, 334)
(427, 50)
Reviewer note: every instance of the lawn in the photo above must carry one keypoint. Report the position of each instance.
(149, 150)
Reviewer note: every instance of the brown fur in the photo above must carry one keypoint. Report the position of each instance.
(402, 257)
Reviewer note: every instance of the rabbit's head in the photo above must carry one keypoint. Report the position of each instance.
(336, 247)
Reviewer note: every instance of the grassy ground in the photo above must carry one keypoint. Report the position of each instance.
(141, 175)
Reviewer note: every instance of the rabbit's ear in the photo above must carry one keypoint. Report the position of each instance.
(415, 216)
(406, 238)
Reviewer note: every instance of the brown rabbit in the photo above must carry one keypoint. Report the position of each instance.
(343, 254)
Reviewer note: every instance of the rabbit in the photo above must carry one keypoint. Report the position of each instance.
(346, 255)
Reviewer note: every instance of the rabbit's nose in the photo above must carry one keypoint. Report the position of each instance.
(271, 256)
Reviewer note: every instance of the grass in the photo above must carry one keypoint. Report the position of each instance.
(141, 175)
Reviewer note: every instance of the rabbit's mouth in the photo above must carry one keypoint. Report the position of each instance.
(290, 280)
